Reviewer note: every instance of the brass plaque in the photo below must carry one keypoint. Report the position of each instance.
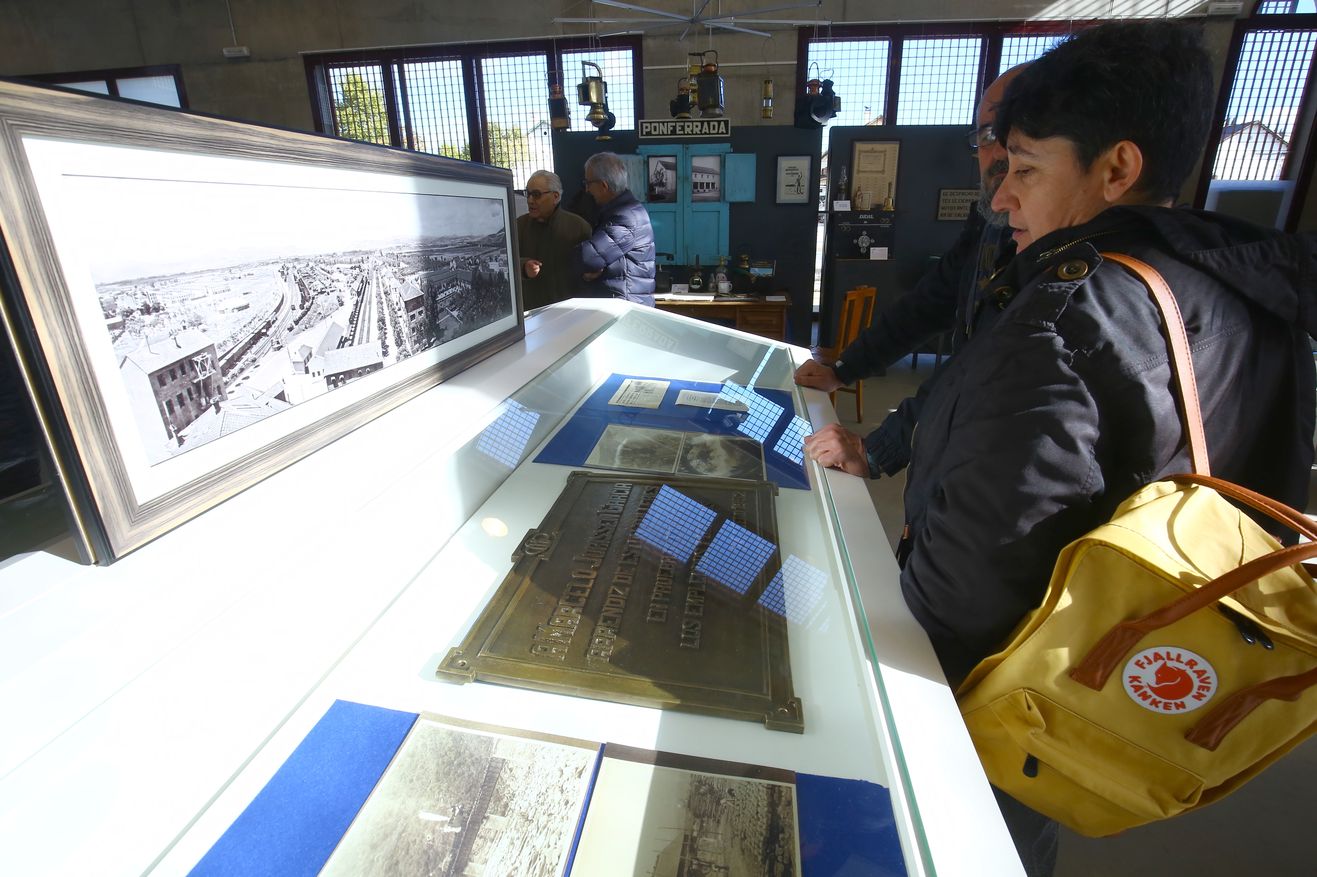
(645, 590)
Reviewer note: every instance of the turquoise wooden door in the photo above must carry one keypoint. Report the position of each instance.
(687, 188)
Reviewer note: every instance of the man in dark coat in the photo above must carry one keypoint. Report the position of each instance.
(939, 303)
(618, 259)
(547, 236)
(1063, 402)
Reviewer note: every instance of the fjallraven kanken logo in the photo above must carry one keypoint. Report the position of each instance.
(1166, 679)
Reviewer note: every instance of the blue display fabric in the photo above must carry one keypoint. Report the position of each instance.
(770, 420)
(846, 827)
(293, 825)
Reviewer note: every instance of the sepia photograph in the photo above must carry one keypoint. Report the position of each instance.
(460, 802)
(649, 820)
(202, 302)
(722, 456)
(636, 449)
(642, 449)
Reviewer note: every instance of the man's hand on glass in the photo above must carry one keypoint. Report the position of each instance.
(532, 267)
(819, 376)
(836, 447)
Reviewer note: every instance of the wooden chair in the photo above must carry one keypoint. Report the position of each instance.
(856, 314)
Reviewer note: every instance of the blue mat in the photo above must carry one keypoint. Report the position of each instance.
(847, 827)
(293, 825)
(295, 822)
(770, 419)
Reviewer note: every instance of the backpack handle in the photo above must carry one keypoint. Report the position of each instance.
(1101, 661)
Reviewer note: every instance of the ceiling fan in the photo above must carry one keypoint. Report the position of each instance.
(663, 19)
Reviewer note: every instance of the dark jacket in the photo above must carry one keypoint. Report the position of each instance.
(553, 244)
(622, 246)
(1061, 405)
(941, 301)
(922, 313)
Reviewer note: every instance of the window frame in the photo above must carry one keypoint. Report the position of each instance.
(1302, 149)
(111, 77)
(469, 55)
(992, 34)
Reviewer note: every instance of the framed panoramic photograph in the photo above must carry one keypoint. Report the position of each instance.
(197, 303)
(793, 179)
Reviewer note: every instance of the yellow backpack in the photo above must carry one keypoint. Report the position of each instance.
(1174, 655)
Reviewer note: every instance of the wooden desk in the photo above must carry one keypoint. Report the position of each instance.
(757, 316)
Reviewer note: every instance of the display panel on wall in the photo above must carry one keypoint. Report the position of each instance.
(201, 302)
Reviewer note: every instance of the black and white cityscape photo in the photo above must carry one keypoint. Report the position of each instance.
(244, 301)
(655, 821)
(457, 803)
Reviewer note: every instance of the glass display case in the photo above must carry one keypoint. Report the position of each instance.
(148, 702)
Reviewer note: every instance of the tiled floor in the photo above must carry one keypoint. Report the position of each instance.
(1266, 828)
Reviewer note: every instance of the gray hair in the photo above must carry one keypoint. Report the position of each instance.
(552, 180)
(610, 170)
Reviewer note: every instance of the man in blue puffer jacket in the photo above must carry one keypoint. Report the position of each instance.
(618, 259)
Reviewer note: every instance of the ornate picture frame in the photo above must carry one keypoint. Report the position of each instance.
(197, 302)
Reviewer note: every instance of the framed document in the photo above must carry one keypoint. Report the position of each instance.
(793, 179)
(873, 174)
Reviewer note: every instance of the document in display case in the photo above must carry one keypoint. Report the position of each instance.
(351, 575)
(375, 793)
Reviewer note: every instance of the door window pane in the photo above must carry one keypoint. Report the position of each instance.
(706, 178)
(661, 186)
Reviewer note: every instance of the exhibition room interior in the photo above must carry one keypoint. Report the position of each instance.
(281, 184)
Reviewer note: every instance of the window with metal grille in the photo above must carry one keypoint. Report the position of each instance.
(1263, 108)
(358, 95)
(1016, 50)
(858, 70)
(516, 103)
(433, 105)
(939, 81)
(160, 84)
(616, 65)
(1284, 7)
(932, 77)
(488, 102)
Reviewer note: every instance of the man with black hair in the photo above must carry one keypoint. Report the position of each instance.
(1063, 402)
(937, 304)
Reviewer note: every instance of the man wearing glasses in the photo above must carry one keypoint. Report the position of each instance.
(547, 236)
(618, 258)
(943, 300)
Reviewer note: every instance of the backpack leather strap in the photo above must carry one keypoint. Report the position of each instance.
(1177, 339)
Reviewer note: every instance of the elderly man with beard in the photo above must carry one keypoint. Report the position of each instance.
(944, 299)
